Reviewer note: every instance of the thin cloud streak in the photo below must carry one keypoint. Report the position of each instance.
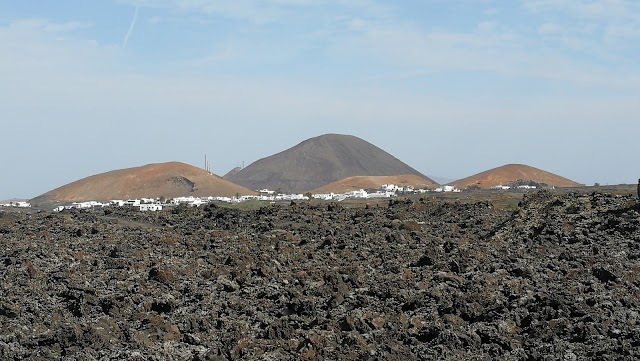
(131, 27)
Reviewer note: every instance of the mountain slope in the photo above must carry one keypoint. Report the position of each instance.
(509, 173)
(375, 182)
(168, 180)
(319, 161)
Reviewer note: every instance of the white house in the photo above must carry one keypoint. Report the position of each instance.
(501, 187)
(197, 202)
(388, 187)
(149, 207)
(526, 187)
(18, 204)
(381, 194)
(358, 194)
(447, 189)
(81, 205)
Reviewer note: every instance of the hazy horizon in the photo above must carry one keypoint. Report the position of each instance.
(452, 88)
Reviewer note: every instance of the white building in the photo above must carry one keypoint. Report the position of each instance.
(149, 207)
(381, 194)
(447, 188)
(358, 194)
(391, 188)
(18, 204)
(526, 187)
(501, 187)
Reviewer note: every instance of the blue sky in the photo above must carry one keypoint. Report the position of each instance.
(450, 87)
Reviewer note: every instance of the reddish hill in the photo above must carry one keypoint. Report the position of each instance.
(319, 161)
(373, 182)
(512, 173)
(168, 180)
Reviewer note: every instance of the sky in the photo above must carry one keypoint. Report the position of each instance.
(451, 88)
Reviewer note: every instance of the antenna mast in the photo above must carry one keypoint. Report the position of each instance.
(207, 167)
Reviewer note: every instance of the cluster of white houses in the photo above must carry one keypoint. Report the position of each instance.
(17, 204)
(504, 188)
(264, 195)
(447, 189)
(143, 204)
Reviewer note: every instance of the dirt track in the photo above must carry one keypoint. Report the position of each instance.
(556, 279)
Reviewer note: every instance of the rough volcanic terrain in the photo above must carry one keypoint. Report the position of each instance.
(171, 179)
(319, 161)
(558, 278)
(513, 174)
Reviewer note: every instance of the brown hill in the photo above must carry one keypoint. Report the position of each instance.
(511, 173)
(232, 172)
(371, 182)
(168, 180)
(319, 161)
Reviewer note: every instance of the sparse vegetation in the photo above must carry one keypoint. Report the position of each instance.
(309, 195)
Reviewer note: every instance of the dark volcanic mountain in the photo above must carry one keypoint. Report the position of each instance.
(168, 180)
(319, 161)
(232, 172)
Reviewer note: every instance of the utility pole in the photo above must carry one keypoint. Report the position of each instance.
(207, 166)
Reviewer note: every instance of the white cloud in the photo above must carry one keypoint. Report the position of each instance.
(496, 49)
(624, 32)
(487, 26)
(227, 54)
(254, 10)
(591, 9)
(66, 27)
(596, 20)
(35, 24)
(155, 20)
(268, 11)
(357, 24)
(550, 29)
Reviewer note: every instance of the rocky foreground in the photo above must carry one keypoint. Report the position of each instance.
(558, 278)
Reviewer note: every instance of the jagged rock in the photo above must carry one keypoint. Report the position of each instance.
(556, 278)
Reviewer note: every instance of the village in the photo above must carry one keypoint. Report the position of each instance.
(16, 204)
(264, 195)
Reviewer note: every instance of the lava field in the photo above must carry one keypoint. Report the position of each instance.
(556, 278)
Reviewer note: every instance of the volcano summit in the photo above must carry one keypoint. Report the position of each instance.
(319, 161)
